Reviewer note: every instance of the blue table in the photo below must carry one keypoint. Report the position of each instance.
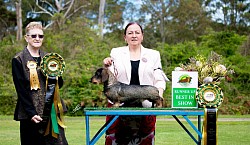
(116, 112)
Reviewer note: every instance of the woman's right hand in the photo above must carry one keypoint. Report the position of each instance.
(36, 119)
(107, 62)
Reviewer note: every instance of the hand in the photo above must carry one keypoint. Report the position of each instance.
(107, 61)
(161, 92)
(36, 119)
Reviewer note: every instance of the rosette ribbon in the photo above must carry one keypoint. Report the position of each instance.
(34, 81)
(52, 65)
(209, 132)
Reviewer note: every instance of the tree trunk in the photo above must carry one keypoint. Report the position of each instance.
(101, 17)
(162, 29)
(19, 33)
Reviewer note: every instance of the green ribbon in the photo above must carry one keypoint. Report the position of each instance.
(54, 119)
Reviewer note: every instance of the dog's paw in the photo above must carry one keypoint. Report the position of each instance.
(146, 104)
(116, 105)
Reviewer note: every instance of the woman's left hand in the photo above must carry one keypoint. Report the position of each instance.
(160, 92)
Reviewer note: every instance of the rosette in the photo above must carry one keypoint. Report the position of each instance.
(209, 96)
(52, 65)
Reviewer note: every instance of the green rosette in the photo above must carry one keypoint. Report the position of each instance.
(52, 65)
(209, 96)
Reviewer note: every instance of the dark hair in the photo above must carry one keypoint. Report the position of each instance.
(131, 23)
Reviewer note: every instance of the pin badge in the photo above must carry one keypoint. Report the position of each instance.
(144, 59)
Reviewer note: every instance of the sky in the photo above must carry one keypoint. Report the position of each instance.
(135, 1)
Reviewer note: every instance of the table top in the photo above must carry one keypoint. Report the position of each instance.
(99, 111)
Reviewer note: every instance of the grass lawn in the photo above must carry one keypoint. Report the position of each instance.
(168, 131)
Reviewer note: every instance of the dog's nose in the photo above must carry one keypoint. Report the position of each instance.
(94, 80)
(91, 80)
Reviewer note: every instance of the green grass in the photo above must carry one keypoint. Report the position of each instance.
(168, 132)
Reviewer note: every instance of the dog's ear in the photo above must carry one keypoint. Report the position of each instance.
(105, 74)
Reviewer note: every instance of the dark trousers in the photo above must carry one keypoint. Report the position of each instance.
(29, 133)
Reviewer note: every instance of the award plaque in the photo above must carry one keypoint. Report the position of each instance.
(209, 96)
(52, 65)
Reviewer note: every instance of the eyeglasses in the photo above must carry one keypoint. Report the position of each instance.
(35, 35)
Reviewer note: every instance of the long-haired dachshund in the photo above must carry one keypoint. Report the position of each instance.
(119, 93)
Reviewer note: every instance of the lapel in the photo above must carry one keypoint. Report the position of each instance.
(126, 61)
(143, 62)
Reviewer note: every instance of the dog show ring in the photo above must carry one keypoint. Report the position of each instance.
(52, 65)
(209, 96)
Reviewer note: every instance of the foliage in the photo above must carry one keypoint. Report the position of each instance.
(235, 14)
(7, 91)
(236, 84)
(224, 43)
(84, 51)
(175, 54)
(189, 21)
(210, 70)
(7, 20)
(228, 45)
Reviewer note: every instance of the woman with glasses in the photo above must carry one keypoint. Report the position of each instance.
(30, 86)
(135, 65)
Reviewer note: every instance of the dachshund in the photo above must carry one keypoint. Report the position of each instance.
(119, 93)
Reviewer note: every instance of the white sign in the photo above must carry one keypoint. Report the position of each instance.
(184, 86)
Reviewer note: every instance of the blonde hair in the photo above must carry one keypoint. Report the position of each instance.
(33, 25)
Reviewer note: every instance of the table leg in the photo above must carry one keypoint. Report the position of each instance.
(199, 128)
(87, 130)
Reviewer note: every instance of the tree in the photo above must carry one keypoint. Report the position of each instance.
(114, 16)
(189, 21)
(233, 14)
(101, 16)
(59, 10)
(7, 19)
(174, 21)
(19, 35)
(159, 14)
